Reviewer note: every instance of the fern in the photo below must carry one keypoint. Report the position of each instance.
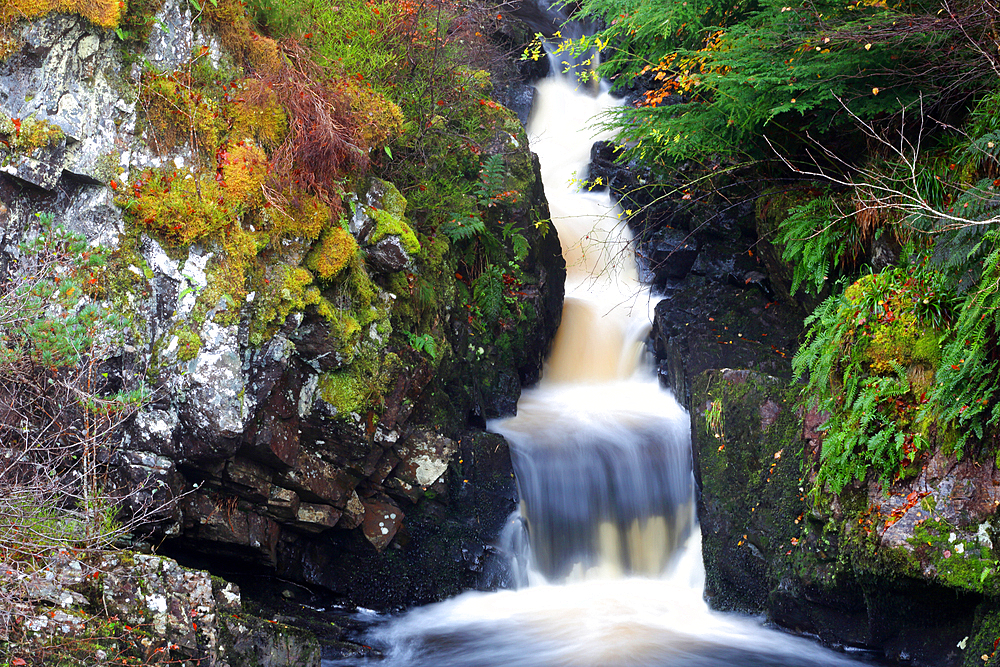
(875, 413)
(487, 290)
(966, 390)
(463, 227)
(491, 180)
(817, 237)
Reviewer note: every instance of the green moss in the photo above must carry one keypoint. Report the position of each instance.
(178, 113)
(343, 391)
(982, 641)
(188, 344)
(24, 135)
(953, 559)
(264, 121)
(105, 13)
(289, 288)
(387, 224)
(333, 253)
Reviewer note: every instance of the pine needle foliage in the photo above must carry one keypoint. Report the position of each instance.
(739, 72)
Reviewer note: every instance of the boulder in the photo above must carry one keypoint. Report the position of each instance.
(855, 571)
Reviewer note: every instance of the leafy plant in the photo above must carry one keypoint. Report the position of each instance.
(869, 356)
(488, 292)
(817, 237)
(423, 343)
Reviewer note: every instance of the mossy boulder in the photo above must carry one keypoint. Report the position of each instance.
(836, 567)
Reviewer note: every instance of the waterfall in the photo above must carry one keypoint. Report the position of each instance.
(601, 454)
(610, 566)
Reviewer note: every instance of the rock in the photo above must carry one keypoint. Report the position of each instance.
(439, 549)
(316, 346)
(519, 98)
(238, 456)
(315, 518)
(423, 458)
(766, 551)
(252, 642)
(382, 520)
(253, 479)
(389, 255)
(147, 606)
(700, 325)
(67, 73)
(667, 254)
(216, 409)
(354, 512)
(317, 480)
(283, 504)
(43, 174)
(232, 528)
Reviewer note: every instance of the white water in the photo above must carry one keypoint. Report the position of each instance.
(613, 576)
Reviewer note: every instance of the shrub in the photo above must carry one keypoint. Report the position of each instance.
(60, 416)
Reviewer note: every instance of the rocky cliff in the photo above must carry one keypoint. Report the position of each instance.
(315, 365)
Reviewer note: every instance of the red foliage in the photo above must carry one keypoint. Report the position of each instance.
(324, 141)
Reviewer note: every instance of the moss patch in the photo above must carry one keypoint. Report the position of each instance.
(333, 253)
(105, 13)
(952, 558)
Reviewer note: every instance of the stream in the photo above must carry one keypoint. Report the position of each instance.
(604, 548)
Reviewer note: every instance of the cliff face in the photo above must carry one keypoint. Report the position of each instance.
(316, 386)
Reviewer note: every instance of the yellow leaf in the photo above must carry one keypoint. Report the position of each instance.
(874, 91)
(868, 47)
(793, 100)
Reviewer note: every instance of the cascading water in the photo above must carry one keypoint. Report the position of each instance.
(610, 569)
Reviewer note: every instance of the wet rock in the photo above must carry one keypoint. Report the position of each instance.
(354, 512)
(423, 458)
(317, 480)
(519, 98)
(231, 528)
(666, 255)
(216, 408)
(266, 470)
(439, 549)
(382, 520)
(67, 74)
(253, 479)
(388, 255)
(768, 549)
(699, 325)
(282, 504)
(315, 518)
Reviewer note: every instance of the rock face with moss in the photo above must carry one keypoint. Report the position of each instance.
(322, 363)
(907, 571)
(127, 607)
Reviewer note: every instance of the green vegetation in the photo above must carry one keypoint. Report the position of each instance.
(751, 73)
(884, 121)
